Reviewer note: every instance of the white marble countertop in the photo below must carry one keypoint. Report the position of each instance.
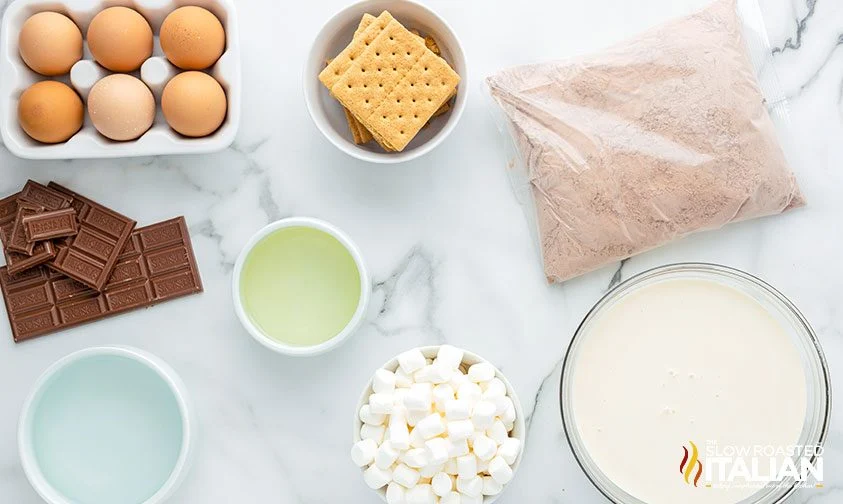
(445, 241)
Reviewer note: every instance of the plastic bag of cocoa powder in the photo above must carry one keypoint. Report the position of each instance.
(669, 133)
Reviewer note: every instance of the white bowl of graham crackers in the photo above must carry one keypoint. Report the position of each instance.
(385, 80)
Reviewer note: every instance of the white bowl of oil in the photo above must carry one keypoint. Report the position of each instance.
(300, 286)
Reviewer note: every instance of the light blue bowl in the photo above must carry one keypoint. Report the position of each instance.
(108, 425)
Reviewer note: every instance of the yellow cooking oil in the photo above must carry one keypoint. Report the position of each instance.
(300, 286)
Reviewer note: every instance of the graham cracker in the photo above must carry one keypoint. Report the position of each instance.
(395, 85)
(332, 73)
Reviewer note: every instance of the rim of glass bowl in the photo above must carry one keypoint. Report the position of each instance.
(815, 429)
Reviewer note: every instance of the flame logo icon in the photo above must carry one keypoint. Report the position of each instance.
(690, 464)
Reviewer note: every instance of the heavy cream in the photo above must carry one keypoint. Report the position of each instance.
(684, 364)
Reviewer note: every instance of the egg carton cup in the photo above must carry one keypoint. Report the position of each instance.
(156, 72)
(519, 430)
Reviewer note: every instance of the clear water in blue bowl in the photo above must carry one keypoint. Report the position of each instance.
(107, 429)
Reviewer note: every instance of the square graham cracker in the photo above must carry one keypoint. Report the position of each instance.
(395, 86)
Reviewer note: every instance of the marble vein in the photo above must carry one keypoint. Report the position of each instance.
(801, 28)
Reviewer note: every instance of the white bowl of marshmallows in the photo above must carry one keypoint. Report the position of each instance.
(438, 424)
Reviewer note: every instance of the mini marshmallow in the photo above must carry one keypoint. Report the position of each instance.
(457, 448)
(431, 470)
(367, 417)
(386, 455)
(430, 426)
(497, 432)
(414, 417)
(440, 373)
(483, 415)
(502, 404)
(459, 430)
(482, 466)
(467, 466)
(490, 486)
(373, 432)
(469, 392)
(402, 380)
(416, 439)
(405, 476)
(472, 486)
(395, 494)
(484, 447)
(457, 379)
(450, 467)
(493, 388)
(399, 434)
(383, 382)
(419, 397)
(398, 399)
(457, 409)
(420, 494)
(451, 498)
(508, 417)
(416, 457)
(500, 470)
(438, 449)
(363, 452)
(423, 375)
(411, 361)
(375, 477)
(509, 450)
(381, 404)
(449, 357)
(481, 372)
(442, 393)
(442, 484)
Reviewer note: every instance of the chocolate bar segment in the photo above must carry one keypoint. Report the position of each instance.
(8, 209)
(38, 195)
(17, 241)
(157, 264)
(16, 262)
(49, 225)
(41, 195)
(91, 254)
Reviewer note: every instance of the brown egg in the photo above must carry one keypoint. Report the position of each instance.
(50, 112)
(192, 38)
(50, 43)
(194, 104)
(121, 107)
(120, 39)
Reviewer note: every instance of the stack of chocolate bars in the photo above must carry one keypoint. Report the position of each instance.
(70, 260)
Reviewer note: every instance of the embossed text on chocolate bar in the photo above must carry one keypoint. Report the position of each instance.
(50, 225)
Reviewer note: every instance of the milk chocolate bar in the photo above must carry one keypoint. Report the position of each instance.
(91, 254)
(156, 265)
(49, 225)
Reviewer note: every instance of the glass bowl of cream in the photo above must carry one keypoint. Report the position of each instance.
(696, 383)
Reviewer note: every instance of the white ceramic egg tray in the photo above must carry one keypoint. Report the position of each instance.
(15, 77)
